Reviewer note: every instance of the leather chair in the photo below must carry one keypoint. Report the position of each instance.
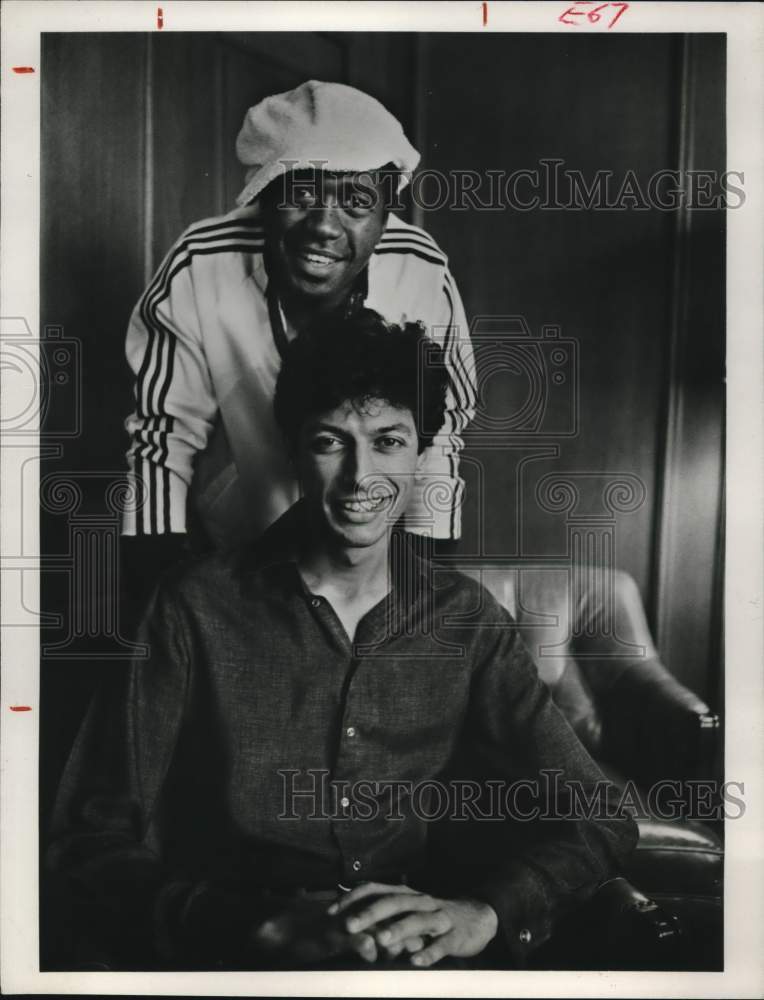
(586, 628)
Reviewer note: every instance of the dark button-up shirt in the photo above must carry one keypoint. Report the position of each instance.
(257, 749)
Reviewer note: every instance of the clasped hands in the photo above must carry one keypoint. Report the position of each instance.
(378, 921)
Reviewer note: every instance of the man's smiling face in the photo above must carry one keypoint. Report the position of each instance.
(321, 229)
(357, 466)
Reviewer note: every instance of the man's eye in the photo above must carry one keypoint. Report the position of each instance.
(390, 443)
(325, 443)
(360, 201)
(303, 197)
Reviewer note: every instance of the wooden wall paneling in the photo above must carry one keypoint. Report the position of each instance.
(93, 94)
(305, 55)
(420, 106)
(92, 270)
(603, 277)
(688, 599)
(185, 129)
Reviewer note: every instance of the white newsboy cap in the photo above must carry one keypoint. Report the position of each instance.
(328, 126)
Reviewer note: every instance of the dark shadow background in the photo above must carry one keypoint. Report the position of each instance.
(137, 142)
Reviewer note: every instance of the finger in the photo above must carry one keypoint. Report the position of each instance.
(435, 922)
(336, 941)
(393, 951)
(362, 891)
(387, 907)
(413, 944)
(410, 945)
(365, 946)
(432, 953)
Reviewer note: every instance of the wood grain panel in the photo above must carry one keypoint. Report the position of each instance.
(185, 125)
(602, 276)
(93, 218)
(92, 267)
(304, 55)
(688, 593)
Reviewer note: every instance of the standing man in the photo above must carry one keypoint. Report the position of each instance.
(313, 236)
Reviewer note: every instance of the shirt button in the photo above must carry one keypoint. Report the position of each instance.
(316, 602)
(344, 801)
(350, 731)
(356, 865)
(525, 936)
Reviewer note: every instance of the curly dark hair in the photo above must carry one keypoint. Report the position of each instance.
(359, 358)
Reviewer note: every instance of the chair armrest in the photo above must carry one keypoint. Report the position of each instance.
(618, 928)
(654, 728)
(640, 934)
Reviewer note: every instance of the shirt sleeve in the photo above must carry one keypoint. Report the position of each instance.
(435, 508)
(113, 893)
(573, 834)
(175, 404)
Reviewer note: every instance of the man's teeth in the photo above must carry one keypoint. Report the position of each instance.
(364, 505)
(318, 258)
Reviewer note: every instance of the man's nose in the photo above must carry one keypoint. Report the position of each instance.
(360, 468)
(323, 221)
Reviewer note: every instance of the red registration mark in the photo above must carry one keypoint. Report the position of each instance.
(583, 12)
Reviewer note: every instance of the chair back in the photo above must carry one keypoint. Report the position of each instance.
(582, 626)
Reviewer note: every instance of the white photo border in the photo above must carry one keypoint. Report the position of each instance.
(23, 21)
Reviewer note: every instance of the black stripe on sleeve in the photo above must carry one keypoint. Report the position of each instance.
(468, 382)
(415, 235)
(156, 371)
(409, 252)
(405, 241)
(462, 393)
(222, 228)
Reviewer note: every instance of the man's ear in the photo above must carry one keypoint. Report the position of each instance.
(421, 459)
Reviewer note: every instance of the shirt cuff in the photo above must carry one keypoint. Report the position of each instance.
(519, 896)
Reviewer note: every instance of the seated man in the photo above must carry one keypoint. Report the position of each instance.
(264, 791)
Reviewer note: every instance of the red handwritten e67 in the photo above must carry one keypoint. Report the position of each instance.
(581, 9)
